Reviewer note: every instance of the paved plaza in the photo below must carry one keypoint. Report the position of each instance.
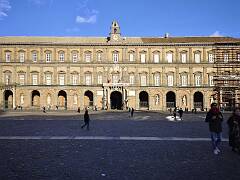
(150, 145)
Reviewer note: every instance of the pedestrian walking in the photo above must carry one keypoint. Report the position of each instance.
(132, 111)
(214, 118)
(234, 130)
(180, 111)
(175, 114)
(86, 120)
(44, 109)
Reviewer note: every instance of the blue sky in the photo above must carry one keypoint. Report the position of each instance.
(135, 17)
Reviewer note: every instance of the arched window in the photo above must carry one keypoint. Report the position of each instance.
(156, 56)
(197, 56)
(184, 79)
(143, 79)
(74, 56)
(183, 55)
(61, 56)
(88, 78)
(48, 56)
(198, 78)
(143, 56)
(131, 56)
(88, 56)
(169, 56)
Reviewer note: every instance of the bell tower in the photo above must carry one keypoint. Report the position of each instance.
(115, 33)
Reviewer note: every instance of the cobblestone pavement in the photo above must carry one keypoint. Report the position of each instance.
(148, 146)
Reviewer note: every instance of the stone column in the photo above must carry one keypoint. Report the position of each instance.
(137, 100)
(176, 76)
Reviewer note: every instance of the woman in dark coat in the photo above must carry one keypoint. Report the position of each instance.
(234, 130)
(214, 118)
(86, 120)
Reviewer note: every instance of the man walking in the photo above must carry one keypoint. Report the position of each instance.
(180, 111)
(86, 120)
(214, 118)
(132, 111)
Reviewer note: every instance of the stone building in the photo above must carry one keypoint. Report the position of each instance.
(113, 72)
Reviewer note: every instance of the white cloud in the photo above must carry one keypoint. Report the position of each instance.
(88, 15)
(216, 34)
(41, 2)
(91, 19)
(4, 8)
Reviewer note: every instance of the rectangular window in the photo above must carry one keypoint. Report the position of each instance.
(88, 57)
(131, 57)
(170, 80)
(156, 58)
(143, 80)
(48, 57)
(21, 79)
(61, 79)
(169, 57)
(225, 57)
(74, 79)
(184, 58)
(131, 79)
(115, 57)
(211, 82)
(48, 79)
(99, 79)
(34, 57)
(74, 57)
(197, 57)
(198, 80)
(238, 57)
(184, 80)
(21, 57)
(61, 57)
(8, 56)
(157, 80)
(210, 58)
(143, 58)
(34, 79)
(99, 56)
(88, 79)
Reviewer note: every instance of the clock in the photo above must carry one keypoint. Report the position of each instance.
(115, 37)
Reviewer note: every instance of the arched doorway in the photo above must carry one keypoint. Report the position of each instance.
(8, 99)
(143, 99)
(62, 99)
(116, 100)
(35, 98)
(170, 99)
(198, 100)
(88, 98)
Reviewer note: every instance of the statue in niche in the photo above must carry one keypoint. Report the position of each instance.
(184, 100)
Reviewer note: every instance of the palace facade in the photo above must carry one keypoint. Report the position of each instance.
(113, 72)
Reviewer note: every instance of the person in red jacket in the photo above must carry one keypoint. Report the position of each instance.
(214, 118)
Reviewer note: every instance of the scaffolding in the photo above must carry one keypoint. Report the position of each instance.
(227, 78)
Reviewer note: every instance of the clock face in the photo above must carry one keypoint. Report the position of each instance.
(115, 37)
